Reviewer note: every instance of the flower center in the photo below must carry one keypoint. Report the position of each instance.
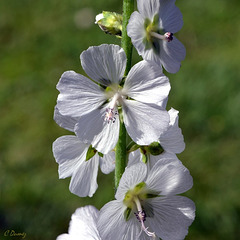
(132, 201)
(111, 110)
(110, 115)
(141, 217)
(153, 33)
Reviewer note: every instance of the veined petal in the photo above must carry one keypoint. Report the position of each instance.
(134, 157)
(83, 225)
(66, 122)
(78, 95)
(169, 177)
(93, 129)
(150, 55)
(107, 162)
(145, 83)
(136, 31)
(111, 223)
(148, 8)
(144, 122)
(131, 177)
(171, 54)
(172, 140)
(171, 19)
(69, 153)
(84, 179)
(105, 63)
(172, 216)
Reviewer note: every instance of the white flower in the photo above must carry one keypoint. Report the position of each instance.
(82, 225)
(79, 160)
(146, 205)
(171, 143)
(98, 108)
(151, 30)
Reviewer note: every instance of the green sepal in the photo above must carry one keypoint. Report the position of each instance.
(90, 153)
(143, 151)
(100, 154)
(132, 146)
(127, 213)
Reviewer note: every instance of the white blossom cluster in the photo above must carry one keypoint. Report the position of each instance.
(147, 203)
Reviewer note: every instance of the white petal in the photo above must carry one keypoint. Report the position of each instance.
(172, 140)
(136, 31)
(83, 225)
(111, 223)
(170, 16)
(78, 95)
(64, 121)
(105, 63)
(169, 177)
(172, 216)
(145, 83)
(93, 129)
(107, 163)
(144, 122)
(69, 152)
(150, 55)
(171, 54)
(64, 237)
(84, 179)
(154, 159)
(148, 8)
(134, 157)
(131, 177)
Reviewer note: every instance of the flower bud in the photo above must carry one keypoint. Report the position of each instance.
(110, 22)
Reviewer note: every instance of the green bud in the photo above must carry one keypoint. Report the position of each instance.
(110, 22)
(90, 153)
(155, 148)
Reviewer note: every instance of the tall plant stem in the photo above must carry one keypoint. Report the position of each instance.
(121, 147)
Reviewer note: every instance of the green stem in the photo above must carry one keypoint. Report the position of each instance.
(128, 7)
(121, 154)
(121, 148)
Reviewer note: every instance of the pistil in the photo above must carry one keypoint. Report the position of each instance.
(141, 217)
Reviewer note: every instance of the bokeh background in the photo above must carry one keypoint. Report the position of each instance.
(41, 39)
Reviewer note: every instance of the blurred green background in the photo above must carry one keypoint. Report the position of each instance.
(41, 39)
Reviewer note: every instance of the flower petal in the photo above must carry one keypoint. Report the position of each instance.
(170, 16)
(169, 177)
(93, 129)
(105, 63)
(136, 31)
(107, 163)
(171, 216)
(78, 95)
(111, 223)
(148, 8)
(83, 225)
(131, 177)
(172, 140)
(84, 179)
(144, 122)
(69, 152)
(145, 83)
(64, 121)
(171, 54)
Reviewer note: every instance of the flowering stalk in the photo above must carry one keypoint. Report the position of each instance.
(121, 151)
